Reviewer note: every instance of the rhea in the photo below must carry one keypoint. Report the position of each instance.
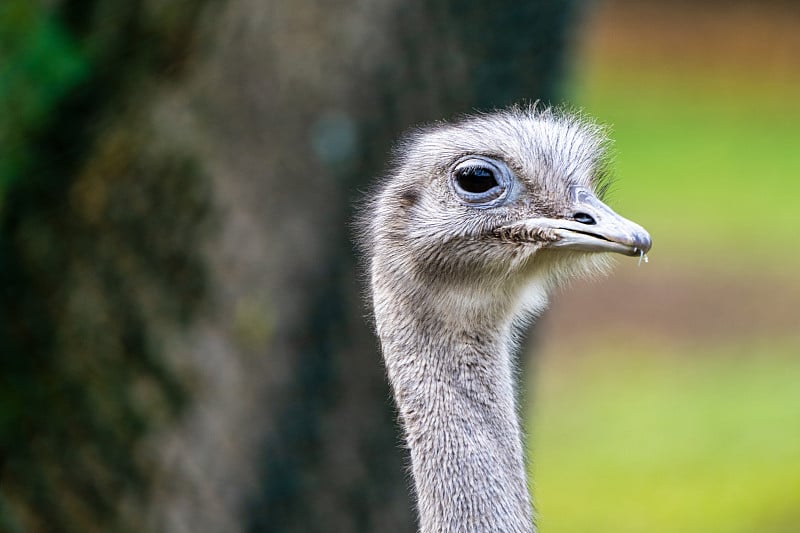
(475, 224)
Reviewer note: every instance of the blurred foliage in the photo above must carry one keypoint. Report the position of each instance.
(705, 161)
(100, 234)
(664, 433)
(41, 63)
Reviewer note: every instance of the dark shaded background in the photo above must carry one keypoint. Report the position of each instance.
(181, 333)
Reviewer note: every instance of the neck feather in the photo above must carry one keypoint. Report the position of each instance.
(454, 385)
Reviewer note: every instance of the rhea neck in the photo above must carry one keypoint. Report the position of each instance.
(450, 364)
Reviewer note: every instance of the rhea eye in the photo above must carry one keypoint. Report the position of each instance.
(481, 181)
(476, 179)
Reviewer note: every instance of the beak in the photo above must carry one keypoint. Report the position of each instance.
(590, 226)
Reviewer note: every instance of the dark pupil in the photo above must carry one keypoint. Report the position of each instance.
(476, 179)
(584, 218)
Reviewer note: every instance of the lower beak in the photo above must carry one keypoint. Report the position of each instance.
(590, 226)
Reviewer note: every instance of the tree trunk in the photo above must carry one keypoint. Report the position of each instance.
(214, 210)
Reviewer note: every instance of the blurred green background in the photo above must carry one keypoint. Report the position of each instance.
(672, 401)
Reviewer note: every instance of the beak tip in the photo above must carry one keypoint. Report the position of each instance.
(642, 242)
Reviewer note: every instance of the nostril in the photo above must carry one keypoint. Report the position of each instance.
(584, 218)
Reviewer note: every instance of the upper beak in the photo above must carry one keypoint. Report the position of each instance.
(592, 226)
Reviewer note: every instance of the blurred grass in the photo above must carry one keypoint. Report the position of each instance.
(687, 437)
(705, 441)
(709, 163)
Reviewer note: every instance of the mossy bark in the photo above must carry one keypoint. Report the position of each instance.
(183, 334)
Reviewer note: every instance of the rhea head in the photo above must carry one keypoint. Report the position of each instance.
(496, 210)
